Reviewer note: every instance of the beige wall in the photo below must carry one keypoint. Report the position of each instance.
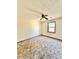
(27, 28)
(28, 25)
(58, 33)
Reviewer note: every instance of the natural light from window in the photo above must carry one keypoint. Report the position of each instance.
(52, 27)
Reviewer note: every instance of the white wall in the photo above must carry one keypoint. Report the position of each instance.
(27, 29)
(58, 33)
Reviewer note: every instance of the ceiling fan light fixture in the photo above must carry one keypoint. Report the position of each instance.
(43, 19)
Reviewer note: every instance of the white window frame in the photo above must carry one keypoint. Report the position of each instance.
(53, 27)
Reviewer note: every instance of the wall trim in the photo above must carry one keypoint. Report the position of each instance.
(52, 37)
(28, 38)
(40, 35)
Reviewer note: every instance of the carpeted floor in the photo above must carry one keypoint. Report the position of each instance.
(40, 48)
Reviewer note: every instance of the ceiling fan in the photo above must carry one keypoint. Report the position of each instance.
(43, 16)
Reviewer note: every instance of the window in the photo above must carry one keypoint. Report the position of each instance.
(52, 27)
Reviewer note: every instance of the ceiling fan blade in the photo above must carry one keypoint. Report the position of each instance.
(41, 19)
(46, 18)
(46, 15)
(35, 11)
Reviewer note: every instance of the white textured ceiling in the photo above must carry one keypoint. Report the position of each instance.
(51, 7)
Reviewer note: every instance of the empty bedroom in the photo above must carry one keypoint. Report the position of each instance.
(39, 29)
